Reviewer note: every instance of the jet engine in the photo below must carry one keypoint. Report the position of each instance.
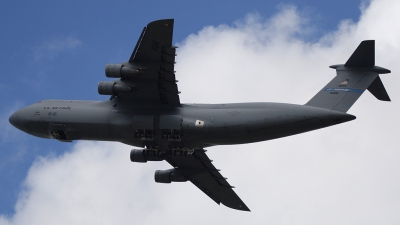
(168, 176)
(141, 155)
(120, 71)
(112, 88)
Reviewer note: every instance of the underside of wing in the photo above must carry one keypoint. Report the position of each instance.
(198, 168)
(148, 78)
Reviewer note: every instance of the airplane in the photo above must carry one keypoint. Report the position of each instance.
(144, 110)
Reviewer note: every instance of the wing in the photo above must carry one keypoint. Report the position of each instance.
(202, 173)
(150, 70)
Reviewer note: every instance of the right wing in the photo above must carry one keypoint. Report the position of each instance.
(151, 68)
(202, 173)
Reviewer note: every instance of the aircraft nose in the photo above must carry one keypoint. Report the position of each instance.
(28, 120)
(21, 118)
(14, 120)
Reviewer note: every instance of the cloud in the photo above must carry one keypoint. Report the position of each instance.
(41, 54)
(79, 181)
(51, 48)
(346, 174)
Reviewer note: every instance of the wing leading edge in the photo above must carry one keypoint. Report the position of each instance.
(202, 173)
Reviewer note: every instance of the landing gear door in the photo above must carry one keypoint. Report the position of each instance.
(59, 132)
(171, 127)
(143, 126)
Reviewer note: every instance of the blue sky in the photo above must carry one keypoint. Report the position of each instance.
(58, 50)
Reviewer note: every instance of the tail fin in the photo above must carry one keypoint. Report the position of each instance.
(356, 75)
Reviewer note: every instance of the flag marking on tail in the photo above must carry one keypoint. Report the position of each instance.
(344, 89)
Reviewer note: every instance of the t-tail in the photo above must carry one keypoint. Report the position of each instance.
(353, 78)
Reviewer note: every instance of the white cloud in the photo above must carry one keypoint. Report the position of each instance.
(51, 48)
(346, 174)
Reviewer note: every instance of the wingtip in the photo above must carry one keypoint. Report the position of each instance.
(247, 210)
(163, 22)
(241, 207)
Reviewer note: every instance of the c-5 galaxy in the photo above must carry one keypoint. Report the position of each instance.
(144, 110)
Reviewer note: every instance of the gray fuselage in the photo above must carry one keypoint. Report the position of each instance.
(190, 126)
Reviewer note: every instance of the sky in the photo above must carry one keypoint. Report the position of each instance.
(229, 51)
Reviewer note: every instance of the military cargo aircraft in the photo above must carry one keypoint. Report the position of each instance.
(144, 110)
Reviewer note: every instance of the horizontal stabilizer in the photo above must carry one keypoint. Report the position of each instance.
(378, 90)
(363, 56)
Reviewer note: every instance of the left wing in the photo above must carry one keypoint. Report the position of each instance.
(148, 78)
(202, 173)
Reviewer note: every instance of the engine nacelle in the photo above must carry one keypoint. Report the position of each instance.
(168, 176)
(119, 70)
(112, 88)
(140, 155)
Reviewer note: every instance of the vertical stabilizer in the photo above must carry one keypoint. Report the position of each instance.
(353, 78)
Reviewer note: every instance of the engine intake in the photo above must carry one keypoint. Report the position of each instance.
(119, 70)
(112, 88)
(168, 176)
(141, 155)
